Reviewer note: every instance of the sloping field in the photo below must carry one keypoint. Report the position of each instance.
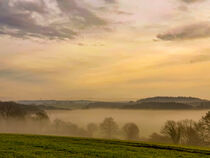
(24, 146)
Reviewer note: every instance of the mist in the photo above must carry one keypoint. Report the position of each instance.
(148, 121)
(143, 125)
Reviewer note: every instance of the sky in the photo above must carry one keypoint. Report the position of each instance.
(104, 49)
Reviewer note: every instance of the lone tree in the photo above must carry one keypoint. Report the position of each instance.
(109, 127)
(131, 131)
(172, 130)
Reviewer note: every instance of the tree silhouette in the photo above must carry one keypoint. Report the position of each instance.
(131, 131)
(189, 132)
(204, 125)
(109, 127)
(172, 130)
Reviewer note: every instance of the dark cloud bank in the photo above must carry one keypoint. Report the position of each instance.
(22, 19)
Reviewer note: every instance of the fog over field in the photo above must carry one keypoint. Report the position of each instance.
(188, 127)
(148, 121)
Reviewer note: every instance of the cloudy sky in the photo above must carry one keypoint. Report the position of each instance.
(104, 49)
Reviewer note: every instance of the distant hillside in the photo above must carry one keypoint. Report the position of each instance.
(146, 103)
(54, 102)
(171, 99)
(106, 105)
(57, 104)
(142, 105)
(158, 105)
(185, 100)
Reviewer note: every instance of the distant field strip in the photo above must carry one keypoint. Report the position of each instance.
(34, 146)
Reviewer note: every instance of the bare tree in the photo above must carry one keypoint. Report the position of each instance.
(131, 131)
(183, 132)
(189, 132)
(172, 130)
(204, 125)
(109, 127)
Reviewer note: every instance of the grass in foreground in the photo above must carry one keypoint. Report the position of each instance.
(33, 146)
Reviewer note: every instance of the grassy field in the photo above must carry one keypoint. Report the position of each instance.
(32, 146)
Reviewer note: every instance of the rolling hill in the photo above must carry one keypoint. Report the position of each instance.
(34, 146)
(185, 100)
(158, 105)
(171, 99)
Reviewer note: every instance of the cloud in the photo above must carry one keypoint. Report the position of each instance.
(78, 13)
(20, 75)
(187, 32)
(111, 1)
(185, 4)
(201, 58)
(38, 6)
(191, 1)
(26, 19)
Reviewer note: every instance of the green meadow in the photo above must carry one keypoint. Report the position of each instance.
(34, 146)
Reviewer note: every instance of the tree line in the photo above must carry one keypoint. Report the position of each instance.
(188, 132)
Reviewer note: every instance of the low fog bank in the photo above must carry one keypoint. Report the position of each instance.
(148, 121)
(187, 132)
(113, 125)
